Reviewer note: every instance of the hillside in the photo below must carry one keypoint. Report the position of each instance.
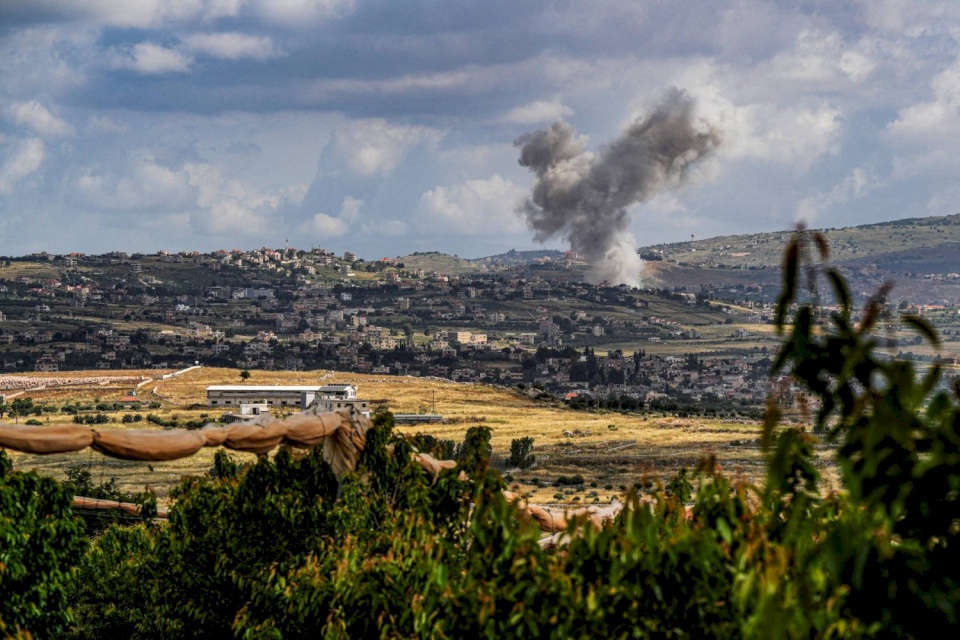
(920, 256)
(435, 261)
(888, 245)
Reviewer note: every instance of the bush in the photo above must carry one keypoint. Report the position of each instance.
(41, 545)
(520, 453)
(569, 481)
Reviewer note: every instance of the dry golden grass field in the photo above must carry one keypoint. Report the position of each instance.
(610, 451)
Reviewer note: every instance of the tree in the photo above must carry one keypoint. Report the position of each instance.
(521, 453)
(42, 544)
(21, 407)
(244, 375)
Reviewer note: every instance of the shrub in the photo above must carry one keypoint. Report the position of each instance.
(41, 545)
(520, 453)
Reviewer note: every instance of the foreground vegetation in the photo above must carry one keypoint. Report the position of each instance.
(283, 548)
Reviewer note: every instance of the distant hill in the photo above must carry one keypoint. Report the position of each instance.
(912, 245)
(453, 265)
(514, 257)
(922, 251)
(444, 263)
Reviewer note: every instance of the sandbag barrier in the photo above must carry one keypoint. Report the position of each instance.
(97, 504)
(342, 434)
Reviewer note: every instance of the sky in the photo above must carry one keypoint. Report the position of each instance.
(386, 127)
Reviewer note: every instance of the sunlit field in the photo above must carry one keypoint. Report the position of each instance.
(611, 451)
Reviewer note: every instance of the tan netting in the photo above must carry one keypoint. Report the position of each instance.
(305, 430)
(45, 440)
(80, 502)
(142, 444)
(342, 448)
(432, 465)
(214, 435)
(255, 438)
(342, 435)
(556, 520)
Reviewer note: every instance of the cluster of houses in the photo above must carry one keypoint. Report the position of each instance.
(271, 309)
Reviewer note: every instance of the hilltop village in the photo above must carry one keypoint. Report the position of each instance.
(533, 325)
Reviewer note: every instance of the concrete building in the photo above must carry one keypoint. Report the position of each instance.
(328, 397)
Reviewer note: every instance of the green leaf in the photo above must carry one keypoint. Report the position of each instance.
(724, 530)
(923, 327)
(840, 289)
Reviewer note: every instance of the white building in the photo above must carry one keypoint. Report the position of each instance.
(326, 397)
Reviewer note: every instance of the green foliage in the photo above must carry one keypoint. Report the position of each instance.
(899, 436)
(569, 481)
(40, 544)
(279, 545)
(521, 453)
(473, 455)
(21, 407)
(92, 418)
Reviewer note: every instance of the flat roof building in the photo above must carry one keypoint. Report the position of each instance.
(328, 397)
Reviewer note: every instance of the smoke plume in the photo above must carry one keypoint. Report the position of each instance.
(584, 196)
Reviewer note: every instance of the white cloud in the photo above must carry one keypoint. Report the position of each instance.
(350, 210)
(126, 13)
(911, 18)
(796, 134)
(230, 216)
(538, 111)
(36, 117)
(232, 46)
(298, 12)
(474, 207)
(390, 228)
(858, 184)
(375, 146)
(215, 205)
(105, 124)
(148, 186)
(933, 117)
(327, 226)
(230, 207)
(147, 58)
(27, 158)
(323, 226)
(820, 59)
